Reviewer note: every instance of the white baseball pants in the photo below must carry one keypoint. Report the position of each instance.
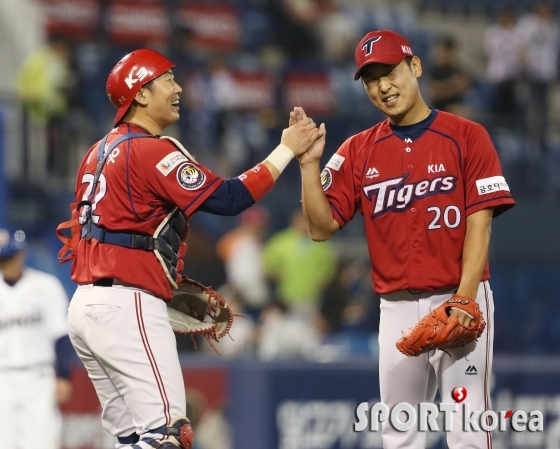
(126, 343)
(29, 415)
(416, 379)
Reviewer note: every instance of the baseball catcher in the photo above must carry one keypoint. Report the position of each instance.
(439, 330)
(136, 189)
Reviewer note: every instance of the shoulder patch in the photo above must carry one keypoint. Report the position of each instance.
(190, 177)
(491, 185)
(169, 162)
(335, 162)
(326, 178)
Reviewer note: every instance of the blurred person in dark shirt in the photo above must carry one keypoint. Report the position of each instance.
(448, 81)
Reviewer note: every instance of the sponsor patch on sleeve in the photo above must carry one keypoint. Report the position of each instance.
(326, 179)
(335, 162)
(169, 162)
(491, 185)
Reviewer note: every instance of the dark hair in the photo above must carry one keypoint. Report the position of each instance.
(150, 86)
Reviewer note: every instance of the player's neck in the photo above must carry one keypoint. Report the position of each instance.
(145, 122)
(11, 277)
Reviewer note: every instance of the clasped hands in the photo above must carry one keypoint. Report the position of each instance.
(304, 137)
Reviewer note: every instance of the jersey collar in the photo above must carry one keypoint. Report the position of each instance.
(416, 130)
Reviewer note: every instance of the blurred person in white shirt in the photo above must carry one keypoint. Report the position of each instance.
(537, 36)
(241, 251)
(503, 67)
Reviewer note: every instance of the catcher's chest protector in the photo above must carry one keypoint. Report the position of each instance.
(168, 235)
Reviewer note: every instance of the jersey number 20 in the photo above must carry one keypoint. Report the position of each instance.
(435, 224)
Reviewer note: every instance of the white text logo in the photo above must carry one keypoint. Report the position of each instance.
(141, 74)
(372, 173)
(435, 168)
(403, 417)
(394, 194)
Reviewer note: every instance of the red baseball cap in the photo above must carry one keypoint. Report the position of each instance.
(382, 46)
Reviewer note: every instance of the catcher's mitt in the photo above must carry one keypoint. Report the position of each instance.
(197, 309)
(438, 330)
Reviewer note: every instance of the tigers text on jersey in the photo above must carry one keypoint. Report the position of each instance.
(32, 319)
(415, 195)
(141, 182)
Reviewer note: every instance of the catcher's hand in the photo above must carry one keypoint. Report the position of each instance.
(197, 309)
(438, 330)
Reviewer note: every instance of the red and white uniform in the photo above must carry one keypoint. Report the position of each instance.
(415, 195)
(415, 198)
(122, 333)
(142, 180)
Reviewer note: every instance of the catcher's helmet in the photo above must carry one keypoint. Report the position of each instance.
(11, 242)
(130, 74)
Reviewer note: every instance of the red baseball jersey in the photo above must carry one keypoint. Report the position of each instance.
(415, 195)
(142, 181)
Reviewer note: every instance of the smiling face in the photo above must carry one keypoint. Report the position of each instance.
(160, 99)
(393, 89)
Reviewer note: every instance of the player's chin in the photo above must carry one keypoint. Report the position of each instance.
(394, 111)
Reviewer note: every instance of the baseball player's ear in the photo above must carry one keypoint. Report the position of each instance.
(140, 97)
(416, 66)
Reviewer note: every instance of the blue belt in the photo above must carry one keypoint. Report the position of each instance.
(134, 241)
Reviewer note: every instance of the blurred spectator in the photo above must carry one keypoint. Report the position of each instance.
(338, 32)
(241, 251)
(503, 68)
(35, 352)
(201, 261)
(287, 335)
(448, 82)
(214, 430)
(538, 35)
(300, 267)
(43, 84)
(293, 26)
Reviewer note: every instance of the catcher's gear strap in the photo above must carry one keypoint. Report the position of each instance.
(179, 431)
(70, 244)
(258, 181)
(103, 152)
(165, 242)
(130, 440)
(180, 146)
(134, 241)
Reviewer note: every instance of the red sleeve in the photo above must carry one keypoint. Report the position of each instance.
(485, 185)
(337, 179)
(175, 178)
